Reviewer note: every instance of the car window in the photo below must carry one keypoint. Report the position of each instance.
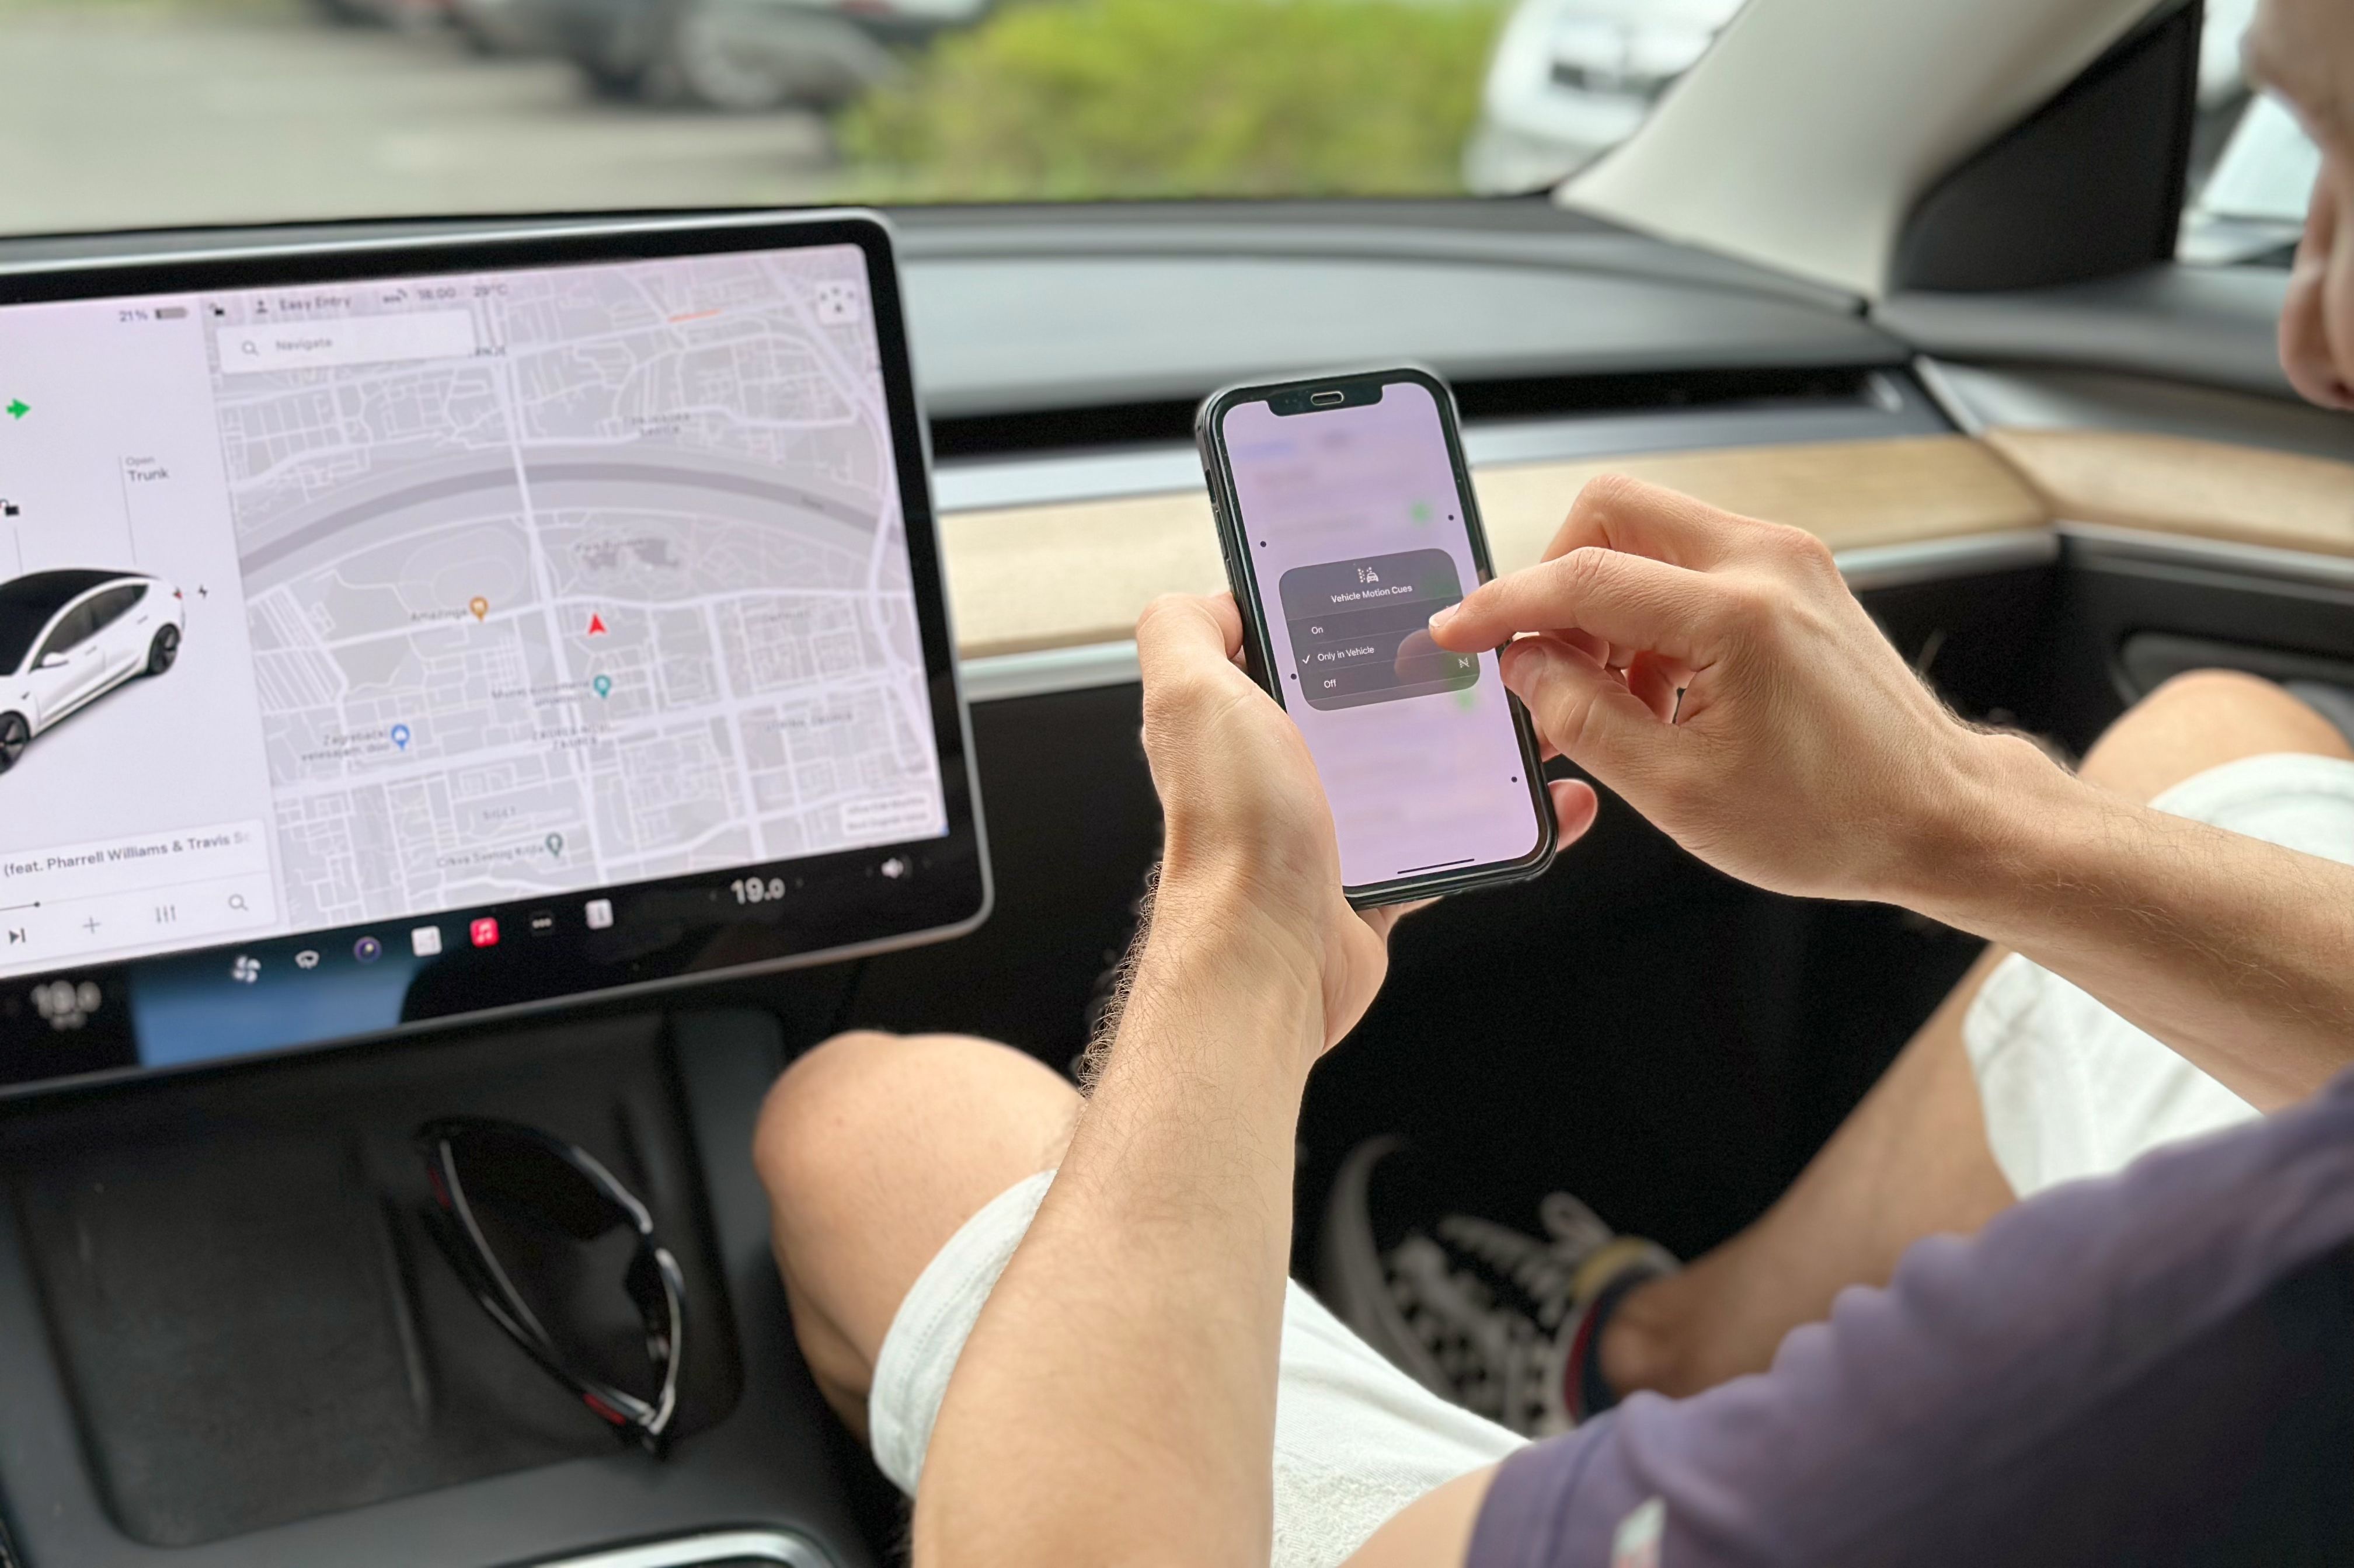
(111, 606)
(76, 627)
(19, 624)
(152, 113)
(2252, 165)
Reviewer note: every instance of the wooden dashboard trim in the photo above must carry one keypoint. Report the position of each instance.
(2213, 490)
(1073, 574)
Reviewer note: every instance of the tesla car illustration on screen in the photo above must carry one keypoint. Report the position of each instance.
(68, 638)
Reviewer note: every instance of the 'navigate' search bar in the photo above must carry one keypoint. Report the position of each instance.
(363, 340)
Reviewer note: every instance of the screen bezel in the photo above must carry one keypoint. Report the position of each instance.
(1358, 387)
(950, 893)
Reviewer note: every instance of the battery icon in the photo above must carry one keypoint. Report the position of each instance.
(171, 312)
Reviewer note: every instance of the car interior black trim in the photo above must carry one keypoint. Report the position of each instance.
(2210, 327)
(2088, 186)
(1737, 389)
(2057, 398)
(2147, 660)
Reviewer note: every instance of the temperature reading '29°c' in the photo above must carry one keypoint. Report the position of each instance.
(752, 890)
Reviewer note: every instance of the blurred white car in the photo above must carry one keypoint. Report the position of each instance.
(1572, 79)
(739, 55)
(2252, 165)
(68, 638)
(505, 26)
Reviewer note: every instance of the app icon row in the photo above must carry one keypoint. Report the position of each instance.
(425, 941)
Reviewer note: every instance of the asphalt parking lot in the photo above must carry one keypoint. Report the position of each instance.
(116, 116)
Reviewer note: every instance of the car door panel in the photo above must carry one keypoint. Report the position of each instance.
(69, 665)
(118, 630)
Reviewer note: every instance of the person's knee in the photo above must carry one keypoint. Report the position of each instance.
(2199, 720)
(875, 1149)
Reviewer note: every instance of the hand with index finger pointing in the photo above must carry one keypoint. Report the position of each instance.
(1720, 678)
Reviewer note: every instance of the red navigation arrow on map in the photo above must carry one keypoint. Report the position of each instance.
(596, 625)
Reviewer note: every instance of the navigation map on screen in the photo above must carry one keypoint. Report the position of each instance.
(359, 602)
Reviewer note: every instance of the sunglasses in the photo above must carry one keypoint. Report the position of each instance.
(501, 1176)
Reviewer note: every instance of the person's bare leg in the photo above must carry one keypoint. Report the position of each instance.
(875, 1149)
(1911, 1160)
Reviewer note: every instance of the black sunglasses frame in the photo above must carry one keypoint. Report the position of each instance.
(652, 1280)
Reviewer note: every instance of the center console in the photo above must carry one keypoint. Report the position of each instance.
(227, 1342)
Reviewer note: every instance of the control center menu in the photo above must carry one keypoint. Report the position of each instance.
(330, 606)
(1361, 630)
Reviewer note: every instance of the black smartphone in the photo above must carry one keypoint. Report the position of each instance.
(1345, 512)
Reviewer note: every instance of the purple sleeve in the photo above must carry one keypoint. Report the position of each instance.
(2156, 1368)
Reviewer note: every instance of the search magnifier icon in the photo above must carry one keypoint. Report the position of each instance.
(237, 902)
(251, 349)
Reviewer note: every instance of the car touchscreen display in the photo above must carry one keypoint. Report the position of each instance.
(386, 649)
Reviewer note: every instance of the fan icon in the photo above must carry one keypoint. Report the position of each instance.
(246, 971)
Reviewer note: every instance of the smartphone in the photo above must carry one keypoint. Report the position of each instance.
(1345, 511)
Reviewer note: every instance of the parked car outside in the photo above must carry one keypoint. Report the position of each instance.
(1572, 79)
(68, 638)
(745, 56)
(402, 14)
(506, 26)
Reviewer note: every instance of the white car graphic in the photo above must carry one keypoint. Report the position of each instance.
(68, 638)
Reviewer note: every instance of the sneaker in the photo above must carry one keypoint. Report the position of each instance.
(1490, 1318)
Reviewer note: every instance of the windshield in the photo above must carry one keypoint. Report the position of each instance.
(28, 603)
(155, 114)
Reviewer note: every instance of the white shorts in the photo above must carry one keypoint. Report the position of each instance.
(2070, 1090)
(1356, 1439)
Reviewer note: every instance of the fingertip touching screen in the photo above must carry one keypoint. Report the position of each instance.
(1357, 533)
(391, 635)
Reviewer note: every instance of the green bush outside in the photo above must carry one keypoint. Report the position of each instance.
(1074, 99)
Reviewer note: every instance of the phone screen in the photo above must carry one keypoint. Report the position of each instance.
(1357, 536)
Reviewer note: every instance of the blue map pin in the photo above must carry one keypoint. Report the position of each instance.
(604, 684)
(400, 735)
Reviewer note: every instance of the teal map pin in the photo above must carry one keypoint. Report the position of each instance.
(604, 684)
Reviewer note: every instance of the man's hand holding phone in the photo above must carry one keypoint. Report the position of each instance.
(1803, 756)
(1250, 849)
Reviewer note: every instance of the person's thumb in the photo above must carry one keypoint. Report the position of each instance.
(1586, 712)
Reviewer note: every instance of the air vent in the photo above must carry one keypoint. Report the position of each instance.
(1856, 388)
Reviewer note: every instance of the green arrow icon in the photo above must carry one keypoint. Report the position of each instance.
(19, 408)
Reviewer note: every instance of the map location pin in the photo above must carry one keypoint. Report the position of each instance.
(556, 843)
(480, 606)
(400, 735)
(604, 684)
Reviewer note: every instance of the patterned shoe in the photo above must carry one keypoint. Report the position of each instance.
(1497, 1321)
